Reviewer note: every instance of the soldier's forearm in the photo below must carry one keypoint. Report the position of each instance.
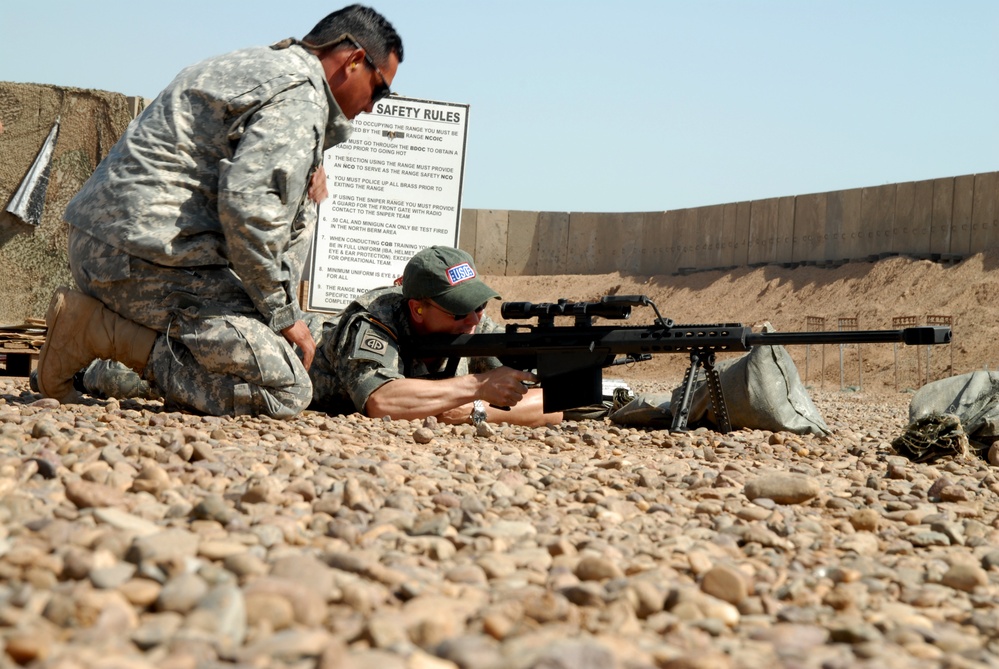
(409, 399)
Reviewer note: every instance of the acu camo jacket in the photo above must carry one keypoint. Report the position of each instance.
(216, 170)
(360, 350)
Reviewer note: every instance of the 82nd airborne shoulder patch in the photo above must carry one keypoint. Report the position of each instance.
(370, 341)
(371, 344)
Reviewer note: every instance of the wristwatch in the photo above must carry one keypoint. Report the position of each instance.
(478, 412)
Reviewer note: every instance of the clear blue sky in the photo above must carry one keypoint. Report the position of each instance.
(585, 105)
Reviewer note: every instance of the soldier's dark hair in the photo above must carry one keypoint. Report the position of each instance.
(368, 27)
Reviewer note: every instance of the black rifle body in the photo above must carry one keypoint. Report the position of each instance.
(569, 359)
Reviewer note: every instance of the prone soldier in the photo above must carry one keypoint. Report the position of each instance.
(362, 362)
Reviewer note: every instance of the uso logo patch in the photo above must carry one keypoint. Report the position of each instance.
(459, 273)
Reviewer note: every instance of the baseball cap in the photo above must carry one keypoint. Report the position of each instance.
(447, 276)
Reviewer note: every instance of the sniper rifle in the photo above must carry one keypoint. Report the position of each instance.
(569, 359)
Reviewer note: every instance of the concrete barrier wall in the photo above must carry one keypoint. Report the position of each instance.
(940, 219)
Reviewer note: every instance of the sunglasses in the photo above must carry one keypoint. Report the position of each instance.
(458, 317)
(382, 90)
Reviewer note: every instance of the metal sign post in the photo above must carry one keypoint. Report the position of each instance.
(940, 320)
(904, 322)
(816, 324)
(845, 324)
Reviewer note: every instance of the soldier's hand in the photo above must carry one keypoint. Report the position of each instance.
(298, 335)
(505, 386)
(317, 185)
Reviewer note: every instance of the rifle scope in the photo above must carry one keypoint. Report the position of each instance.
(548, 310)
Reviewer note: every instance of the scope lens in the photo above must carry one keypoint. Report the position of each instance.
(514, 310)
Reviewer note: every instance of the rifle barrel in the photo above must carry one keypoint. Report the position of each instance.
(923, 335)
(655, 339)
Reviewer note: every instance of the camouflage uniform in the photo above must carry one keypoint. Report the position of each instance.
(359, 351)
(197, 225)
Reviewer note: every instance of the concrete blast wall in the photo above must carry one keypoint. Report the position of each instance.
(941, 219)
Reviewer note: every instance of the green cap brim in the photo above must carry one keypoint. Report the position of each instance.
(466, 297)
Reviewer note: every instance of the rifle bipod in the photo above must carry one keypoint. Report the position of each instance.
(702, 358)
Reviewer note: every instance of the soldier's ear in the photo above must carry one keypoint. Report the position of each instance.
(415, 311)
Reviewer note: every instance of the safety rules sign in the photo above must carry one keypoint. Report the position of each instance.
(394, 188)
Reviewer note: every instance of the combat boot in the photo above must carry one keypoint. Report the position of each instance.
(81, 329)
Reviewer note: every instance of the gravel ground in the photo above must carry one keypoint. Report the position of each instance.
(136, 537)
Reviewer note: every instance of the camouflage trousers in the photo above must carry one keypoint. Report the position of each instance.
(215, 354)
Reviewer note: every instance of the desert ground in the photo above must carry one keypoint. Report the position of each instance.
(134, 537)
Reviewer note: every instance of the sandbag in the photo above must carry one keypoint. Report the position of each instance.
(645, 410)
(967, 405)
(762, 391)
(972, 397)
